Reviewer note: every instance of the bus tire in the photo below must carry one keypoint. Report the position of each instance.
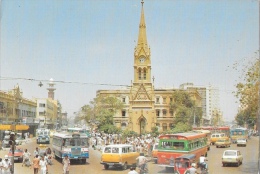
(106, 166)
(124, 167)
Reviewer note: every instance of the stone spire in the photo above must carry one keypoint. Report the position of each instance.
(142, 39)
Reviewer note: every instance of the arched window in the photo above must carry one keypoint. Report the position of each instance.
(144, 74)
(139, 74)
(123, 126)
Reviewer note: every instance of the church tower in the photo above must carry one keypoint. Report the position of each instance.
(141, 112)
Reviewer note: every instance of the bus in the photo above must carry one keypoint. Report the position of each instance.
(172, 146)
(208, 134)
(80, 130)
(238, 133)
(213, 129)
(75, 145)
(43, 136)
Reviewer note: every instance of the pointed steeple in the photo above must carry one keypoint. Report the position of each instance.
(142, 39)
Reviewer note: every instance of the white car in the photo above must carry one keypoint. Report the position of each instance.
(241, 142)
(232, 157)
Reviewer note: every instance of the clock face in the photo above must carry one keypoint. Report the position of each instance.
(142, 59)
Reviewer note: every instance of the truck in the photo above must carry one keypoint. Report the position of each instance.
(43, 136)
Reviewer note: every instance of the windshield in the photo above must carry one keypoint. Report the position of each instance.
(230, 153)
(76, 142)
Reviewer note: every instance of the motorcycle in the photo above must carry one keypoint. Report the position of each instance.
(49, 159)
(204, 168)
(144, 169)
(27, 162)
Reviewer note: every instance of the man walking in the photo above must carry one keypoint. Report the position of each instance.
(36, 164)
(66, 164)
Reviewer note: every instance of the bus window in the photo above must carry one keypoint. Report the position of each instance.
(84, 142)
(115, 150)
(107, 150)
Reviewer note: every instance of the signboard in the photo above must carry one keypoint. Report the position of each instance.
(13, 127)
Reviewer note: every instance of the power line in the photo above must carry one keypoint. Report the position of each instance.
(60, 81)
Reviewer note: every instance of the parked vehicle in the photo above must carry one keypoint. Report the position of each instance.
(119, 155)
(232, 157)
(223, 142)
(241, 142)
(18, 154)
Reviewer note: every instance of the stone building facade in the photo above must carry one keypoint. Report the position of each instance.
(144, 106)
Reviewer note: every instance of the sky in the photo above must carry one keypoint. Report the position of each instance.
(92, 43)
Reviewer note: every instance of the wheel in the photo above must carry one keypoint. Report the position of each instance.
(216, 146)
(106, 166)
(224, 165)
(124, 167)
(238, 164)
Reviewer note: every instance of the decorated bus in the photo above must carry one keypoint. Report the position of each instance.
(43, 136)
(75, 145)
(172, 146)
(238, 133)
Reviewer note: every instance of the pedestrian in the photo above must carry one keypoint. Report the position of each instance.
(132, 171)
(43, 165)
(36, 164)
(6, 166)
(66, 164)
(26, 158)
(36, 152)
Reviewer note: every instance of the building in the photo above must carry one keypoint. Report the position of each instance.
(144, 106)
(210, 101)
(15, 109)
(48, 109)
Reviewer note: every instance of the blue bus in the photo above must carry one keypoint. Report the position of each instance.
(80, 130)
(238, 133)
(75, 145)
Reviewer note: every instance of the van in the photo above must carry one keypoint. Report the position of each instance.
(216, 136)
(154, 152)
(119, 155)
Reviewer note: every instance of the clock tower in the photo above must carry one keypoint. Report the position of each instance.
(141, 97)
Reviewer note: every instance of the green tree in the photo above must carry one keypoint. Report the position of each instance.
(248, 93)
(102, 111)
(184, 108)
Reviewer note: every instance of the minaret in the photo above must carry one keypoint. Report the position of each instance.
(51, 89)
(142, 61)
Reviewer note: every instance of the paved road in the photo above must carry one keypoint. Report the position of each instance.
(93, 166)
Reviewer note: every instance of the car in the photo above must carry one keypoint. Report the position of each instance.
(232, 157)
(119, 155)
(224, 142)
(241, 142)
(18, 154)
(5, 142)
(19, 139)
(216, 136)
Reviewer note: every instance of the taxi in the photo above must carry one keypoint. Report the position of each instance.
(223, 142)
(216, 136)
(119, 155)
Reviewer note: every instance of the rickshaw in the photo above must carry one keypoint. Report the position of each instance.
(183, 163)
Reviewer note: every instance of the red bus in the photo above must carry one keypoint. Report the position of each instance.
(172, 146)
(212, 129)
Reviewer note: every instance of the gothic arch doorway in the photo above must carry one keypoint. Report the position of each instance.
(142, 125)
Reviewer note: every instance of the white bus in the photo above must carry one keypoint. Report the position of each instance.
(75, 145)
(80, 130)
(43, 136)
